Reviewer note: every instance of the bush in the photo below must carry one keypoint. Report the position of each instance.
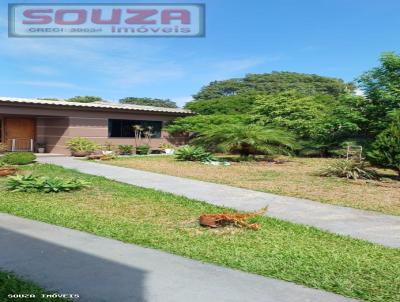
(30, 183)
(125, 149)
(192, 153)
(81, 144)
(142, 150)
(246, 140)
(18, 158)
(349, 169)
(385, 151)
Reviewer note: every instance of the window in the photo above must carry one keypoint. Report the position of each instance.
(125, 128)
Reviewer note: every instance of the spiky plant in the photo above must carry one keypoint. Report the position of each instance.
(247, 139)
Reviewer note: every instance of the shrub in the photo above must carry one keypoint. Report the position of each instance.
(125, 149)
(18, 158)
(349, 169)
(30, 183)
(142, 150)
(166, 146)
(108, 146)
(385, 151)
(247, 140)
(192, 153)
(81, 144)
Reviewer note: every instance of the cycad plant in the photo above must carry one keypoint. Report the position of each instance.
(247, 140)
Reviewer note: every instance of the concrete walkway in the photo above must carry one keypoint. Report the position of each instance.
(101, 269)
(371, 226)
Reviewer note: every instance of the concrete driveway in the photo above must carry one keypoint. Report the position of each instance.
(100, 269)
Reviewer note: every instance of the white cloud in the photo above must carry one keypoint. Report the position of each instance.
(181, 100)
(42, 70)
(50, 84)
(118, 63)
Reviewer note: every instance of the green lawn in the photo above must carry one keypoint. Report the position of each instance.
(10, 284)
(296, 177)
(150, 218)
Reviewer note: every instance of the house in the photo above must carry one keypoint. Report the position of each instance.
(26, 122)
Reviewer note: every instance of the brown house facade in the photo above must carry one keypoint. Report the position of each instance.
(26, 122)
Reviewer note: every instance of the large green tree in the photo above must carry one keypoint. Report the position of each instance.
(149, 102)
(323, 120)
(237, 104)
(381, 86)
(200, 123)
(385, 151)
(275, 82)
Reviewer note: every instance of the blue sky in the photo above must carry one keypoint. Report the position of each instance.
(338, 38)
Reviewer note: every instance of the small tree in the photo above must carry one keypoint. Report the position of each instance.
(385, 151)
(247, 140)
(138, 130)
(149, 102)
(85, 99)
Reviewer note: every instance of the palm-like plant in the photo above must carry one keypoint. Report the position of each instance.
(247, 140)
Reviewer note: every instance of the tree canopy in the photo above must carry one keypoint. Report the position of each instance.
(381, 86)
(275, 82)
(149, 102)
(224, 105)
(385, 151)
(85, 99)
(200, 123)
(323, 118)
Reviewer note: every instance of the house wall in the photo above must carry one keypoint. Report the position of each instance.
(55, 126)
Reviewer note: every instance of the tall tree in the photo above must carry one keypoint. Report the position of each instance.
(323, 120)
(236, 104)
(385, 151)
(381, 86)
(275, 82)
(149, 102)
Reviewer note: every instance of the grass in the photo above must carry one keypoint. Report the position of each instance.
(295, 178)
(11, 284)
(150, 218)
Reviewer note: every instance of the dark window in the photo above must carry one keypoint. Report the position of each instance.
(125, 128)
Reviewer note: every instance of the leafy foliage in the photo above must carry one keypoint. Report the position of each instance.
(125, 149)
(247, 140)
(324, 120)
(81, 144)
(200, 123)
(85, 99)
(272, 83)
(381, 86)
(142, 149)
(349, 169)
(193, 153)
(149, 102)
(385, 151)
(237, 104)
(49, 99)
(30, 183)
(18, 158)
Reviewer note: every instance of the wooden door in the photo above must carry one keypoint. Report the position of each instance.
(22, 130)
